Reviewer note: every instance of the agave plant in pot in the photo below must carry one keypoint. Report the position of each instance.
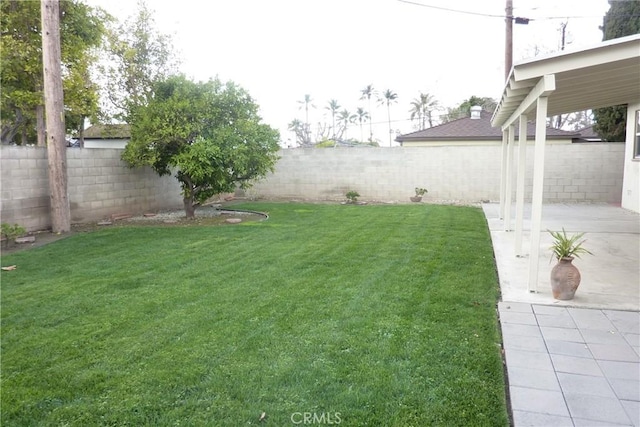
(565, 277)
(419, 193)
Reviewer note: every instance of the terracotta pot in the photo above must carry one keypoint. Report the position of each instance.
(565, 279)
(416, 198)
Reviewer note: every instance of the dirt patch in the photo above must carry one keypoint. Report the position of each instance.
(205, 216)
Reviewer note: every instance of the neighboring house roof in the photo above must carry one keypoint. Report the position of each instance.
(117, 131)
(589, 134)
(475, 130)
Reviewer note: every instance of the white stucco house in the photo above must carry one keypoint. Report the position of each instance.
(604, 75)
(107, 136)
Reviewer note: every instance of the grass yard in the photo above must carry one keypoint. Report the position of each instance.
(354, 315)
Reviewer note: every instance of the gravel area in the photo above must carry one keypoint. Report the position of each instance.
(209, 211)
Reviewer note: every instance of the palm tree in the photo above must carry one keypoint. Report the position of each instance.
(345, 118)
(388, 96)
(367, 93)
(416, 112)
(306, 102)
(333, 107)
(298, 128)
(422, 108)
(362, 116)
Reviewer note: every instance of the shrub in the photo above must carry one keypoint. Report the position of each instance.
(352, 196)
(10, 232)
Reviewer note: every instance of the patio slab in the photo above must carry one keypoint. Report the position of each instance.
(573, 363)
(610, 278)
(568, 380)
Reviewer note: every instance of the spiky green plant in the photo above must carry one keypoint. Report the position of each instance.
(420, 191)
(565, 246)
(352, 196)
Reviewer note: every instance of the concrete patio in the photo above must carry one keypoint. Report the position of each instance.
(573, 363)
(610, 278)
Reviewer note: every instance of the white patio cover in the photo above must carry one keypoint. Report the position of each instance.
(600, 76)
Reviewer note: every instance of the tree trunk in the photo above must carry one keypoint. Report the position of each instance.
(9, 131)
(389, 119)
(40, 126)
(189, 208)
(81, 133)
(370, 121)
(24, 139)
(54, 110)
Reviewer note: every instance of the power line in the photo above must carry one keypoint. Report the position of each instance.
(467, 12)
(502, 16)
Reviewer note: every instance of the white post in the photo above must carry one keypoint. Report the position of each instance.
(503, 172)
(511, 137)
(538, 187)
(522, 164)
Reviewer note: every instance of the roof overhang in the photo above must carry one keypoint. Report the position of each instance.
(601, 76)
(480, 138)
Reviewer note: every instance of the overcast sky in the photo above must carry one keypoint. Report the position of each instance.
(280, 50)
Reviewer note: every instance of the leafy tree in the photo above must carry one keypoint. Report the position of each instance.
(21, 69)
(572, 121)
(464, 109)
(622, 19)
(136, 57)
(362, 116)
(367, 93)
(82, 29)
(209, 133)
(611, 122)
(388, 97)
(422, 108)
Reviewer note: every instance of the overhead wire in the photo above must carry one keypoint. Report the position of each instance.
(467, 12)
(502, 16)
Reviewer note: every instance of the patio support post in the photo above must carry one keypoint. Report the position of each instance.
(503, 172)
(522, 164)
(538, 187)
(509, 177)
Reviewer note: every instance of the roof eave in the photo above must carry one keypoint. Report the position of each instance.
(606, 66)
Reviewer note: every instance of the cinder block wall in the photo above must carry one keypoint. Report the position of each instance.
(384, 174)
(590, 172)
(587, 172)
(99, 185)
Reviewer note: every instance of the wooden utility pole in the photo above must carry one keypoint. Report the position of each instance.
(563, 30)
(54, 113)
(508, 45)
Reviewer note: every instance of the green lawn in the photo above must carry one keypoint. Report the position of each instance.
(362, 315)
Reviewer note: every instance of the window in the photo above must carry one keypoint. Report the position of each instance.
(636, 148)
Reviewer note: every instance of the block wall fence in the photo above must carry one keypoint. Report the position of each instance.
(590, 172)
(100, 184)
